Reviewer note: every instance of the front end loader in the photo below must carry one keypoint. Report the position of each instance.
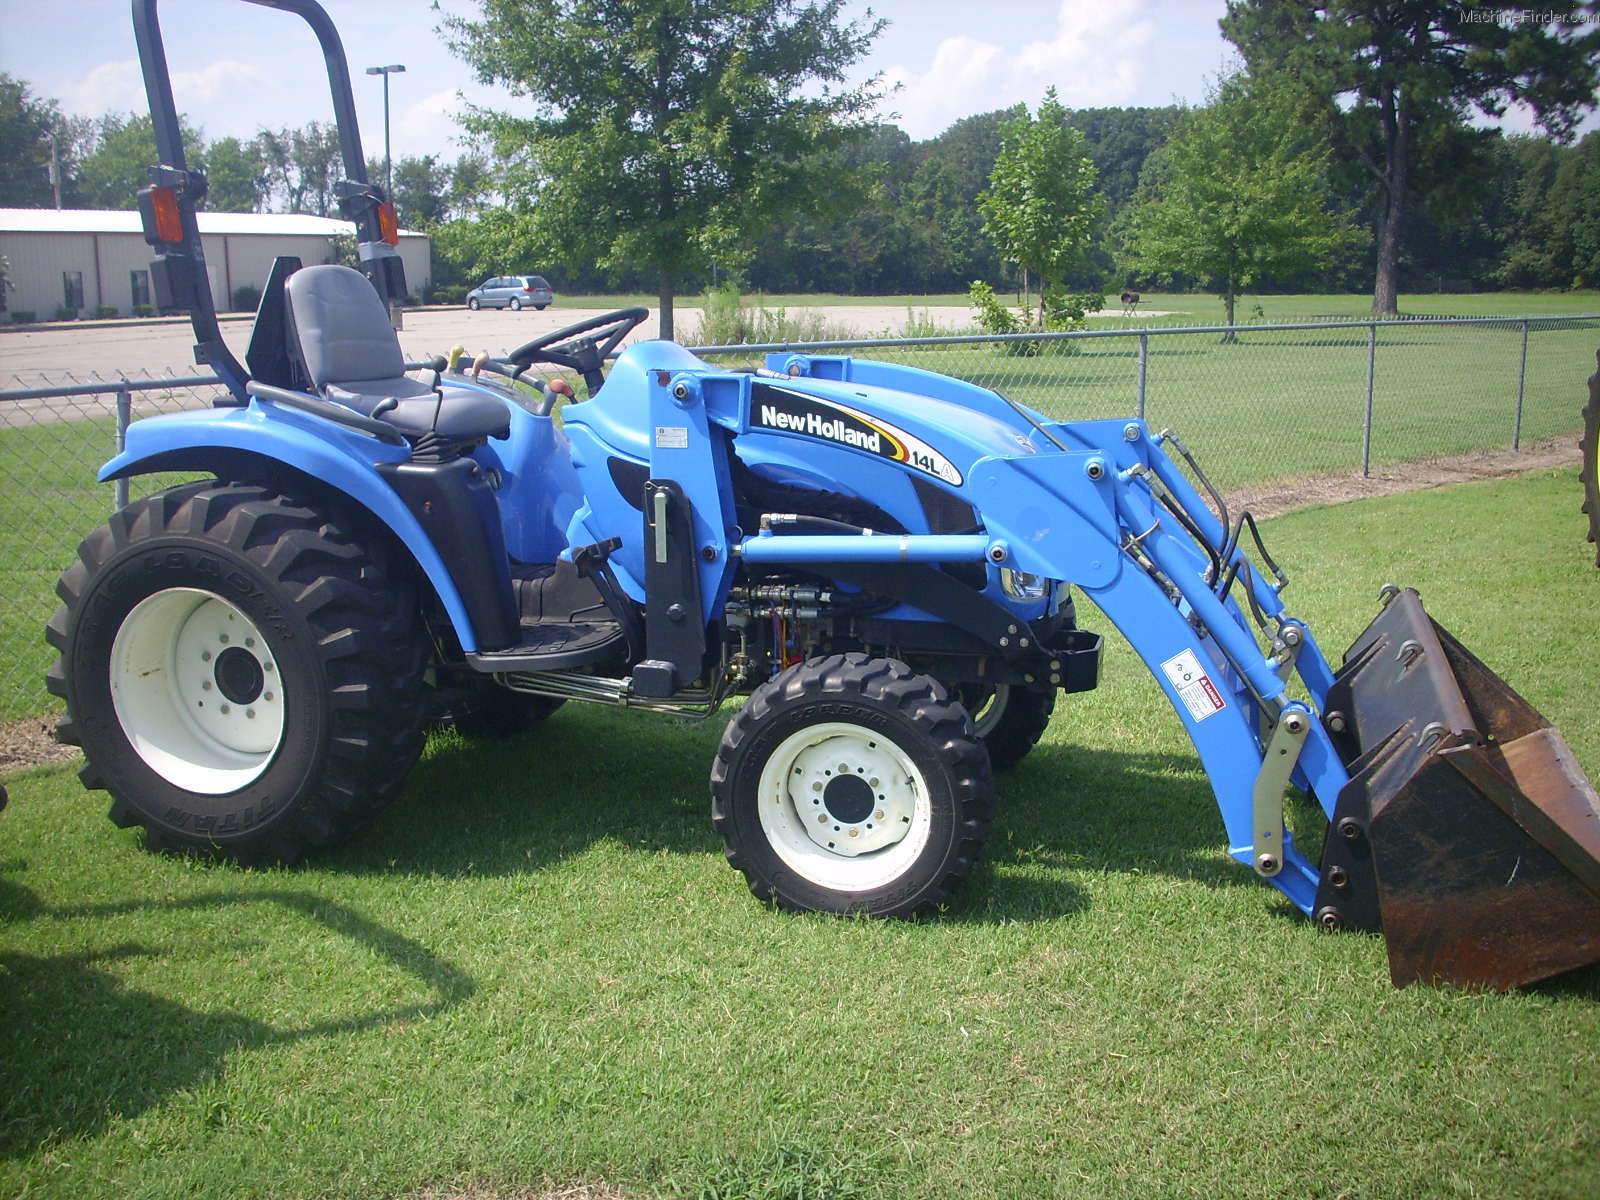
(885, 562)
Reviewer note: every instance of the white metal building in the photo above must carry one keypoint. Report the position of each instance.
(88, 258)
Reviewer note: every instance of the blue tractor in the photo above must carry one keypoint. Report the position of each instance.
(883, 561)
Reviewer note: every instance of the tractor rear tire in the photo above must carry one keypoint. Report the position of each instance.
(1009, 720)
(850, 784)
(1589, 447)
(243, 673)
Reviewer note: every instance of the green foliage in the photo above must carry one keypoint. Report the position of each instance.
(727, 319)
(993, 316)
(23, 316)
(144, 310)
(344, 251)
(421, 192)
(25, 127)
(666, 135)
(1042, 204)
(1061, 312)
(236, 175)
(302, 166)
(1240, 192)
(112, 173)
(246, 298)
(65, 313)
(105, 312)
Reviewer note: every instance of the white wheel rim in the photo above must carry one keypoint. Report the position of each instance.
(844, 807)
(196, 689)
(987, 714)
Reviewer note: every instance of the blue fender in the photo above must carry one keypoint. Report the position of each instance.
(341, 458)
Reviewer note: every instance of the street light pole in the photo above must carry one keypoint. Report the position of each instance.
(388, 173)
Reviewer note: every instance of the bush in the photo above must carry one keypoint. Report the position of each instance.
(449, 293)
(1060, 312)
(106, 311)
(144, 310)
(246, 298)
(412, 301)
(65, 314)
(23, 316)
(726, 320)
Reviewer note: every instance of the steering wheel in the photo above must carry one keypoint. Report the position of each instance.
(582, 346)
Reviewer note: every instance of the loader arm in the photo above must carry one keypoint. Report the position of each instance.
(1141, 564)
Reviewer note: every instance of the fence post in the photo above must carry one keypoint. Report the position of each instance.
(1522, 380)
(124, 415)
(1144, 363)
(1366, 424)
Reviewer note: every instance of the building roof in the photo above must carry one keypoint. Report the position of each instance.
(113, 220)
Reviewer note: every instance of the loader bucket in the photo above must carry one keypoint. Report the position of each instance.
(1467, 833)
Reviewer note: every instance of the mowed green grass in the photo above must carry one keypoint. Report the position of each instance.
(536, 970)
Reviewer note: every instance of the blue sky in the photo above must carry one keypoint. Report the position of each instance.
(238, 67)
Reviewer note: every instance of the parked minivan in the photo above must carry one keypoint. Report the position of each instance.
(511, 291)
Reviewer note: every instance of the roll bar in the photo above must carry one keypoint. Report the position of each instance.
(180, 274)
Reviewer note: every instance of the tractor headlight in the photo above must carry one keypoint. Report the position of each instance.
(1019, 585)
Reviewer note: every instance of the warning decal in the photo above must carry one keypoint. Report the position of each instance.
(1194, 686)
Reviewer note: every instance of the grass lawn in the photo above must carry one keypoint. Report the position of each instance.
(537, 969)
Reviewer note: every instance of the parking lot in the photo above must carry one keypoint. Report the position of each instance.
(152, 349)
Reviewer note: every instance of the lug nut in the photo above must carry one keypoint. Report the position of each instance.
(1336, 721)
(1349, 829)
(1339, 877)
(1330, 918)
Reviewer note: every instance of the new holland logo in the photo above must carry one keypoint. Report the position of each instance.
(794, 412)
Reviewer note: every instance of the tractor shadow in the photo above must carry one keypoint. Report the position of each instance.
(507, 807)
(79, 1047)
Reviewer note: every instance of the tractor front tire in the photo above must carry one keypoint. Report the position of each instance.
(1589, 447)
(850, 784)
(243, 673)
(1009, 720)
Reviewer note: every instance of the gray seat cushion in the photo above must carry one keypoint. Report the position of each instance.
(465, 415)
(353, 358)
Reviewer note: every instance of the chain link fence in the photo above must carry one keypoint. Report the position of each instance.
(1261, 405)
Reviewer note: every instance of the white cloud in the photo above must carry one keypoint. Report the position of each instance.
(425, 127)
(1093, 58)
(208, 97)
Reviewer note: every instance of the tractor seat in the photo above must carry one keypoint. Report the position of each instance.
(353, 358)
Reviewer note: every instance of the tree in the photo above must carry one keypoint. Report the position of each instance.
(665, 135)
(421, 190)
(25, 128)
(1239, 192)
(236, 175)
(302, 167)
(112, 173)
(1404, 67)
(1041, 204)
